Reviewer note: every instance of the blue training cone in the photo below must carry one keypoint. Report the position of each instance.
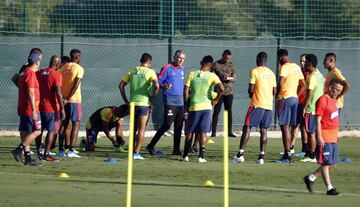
(111, 160)
(159, 153)
(346, 160)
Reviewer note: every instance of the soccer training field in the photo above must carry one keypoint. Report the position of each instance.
(165, 181)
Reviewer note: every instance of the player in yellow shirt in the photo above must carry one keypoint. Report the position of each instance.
(291, 80)
(335, 73)
(144, 87)
(200, 83)
(262, 88)
(72, 75)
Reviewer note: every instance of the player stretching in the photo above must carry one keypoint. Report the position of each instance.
(142, 79)
(104, 119)
(72, 74)
(291, 81)
(327, 122)
(262, 88)
(28, 109)
(50, 97)
(200, 83)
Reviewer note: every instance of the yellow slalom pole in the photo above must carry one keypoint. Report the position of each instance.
(130, 155)
(226, 160)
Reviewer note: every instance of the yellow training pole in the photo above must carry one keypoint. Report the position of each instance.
(226, 160)
(130, 155)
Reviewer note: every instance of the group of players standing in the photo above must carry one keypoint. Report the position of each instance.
(305, 100)
(47, 96)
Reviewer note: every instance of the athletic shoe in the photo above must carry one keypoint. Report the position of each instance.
(50, 153)
(120, 150)
(300, 154)
(74, 150)
(62, 153)
(305, 159)
(151, 150)
(137, 156)
(49, 158)
(231, 135)
(32, 163)
(309, 184)
(185, 159)
(213, 135)
(17, 155)
(72, 153)
(82, 145)
(312, 160)
(176, 152)
(292, 151)
(202, 160)
(283, 161)
(260, 161)
(332, 192)
(240, 159)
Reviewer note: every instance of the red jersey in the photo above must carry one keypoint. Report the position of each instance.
(27, 79)
(48, 80)
(326, 108)
(302, 96)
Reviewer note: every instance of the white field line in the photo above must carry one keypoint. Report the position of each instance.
(155, 183)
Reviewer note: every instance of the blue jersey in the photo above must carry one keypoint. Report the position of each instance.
(174, 75)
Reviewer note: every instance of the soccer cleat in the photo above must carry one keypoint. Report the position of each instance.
(309, 184)
(50, 153)
(283, 161)
(260, 161)
(74, 150)
(202, 160)
(120, 150)
(231, 135)
(72, 153)
(185, 159)
(137, 156)
(332, 191)
(49, 158)
(31, 162)
(300, 154)
(17, 156)
(312, 160)
(62, 153)
(213, 135)
(240, 159)
(151, 150)
(305, 159)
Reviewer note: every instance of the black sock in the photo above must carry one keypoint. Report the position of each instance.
(303, 149)
(27, 156)
(261, 156)
(67, 146)
(312, 155)
(202, 152)
(239, 154)
(186, 147)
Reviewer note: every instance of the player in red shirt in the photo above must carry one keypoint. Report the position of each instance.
(51, 102)
(28, 109)
(327, 124)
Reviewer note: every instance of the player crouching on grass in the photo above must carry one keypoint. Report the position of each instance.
(327, 122)
(200, 82)
(104, 119)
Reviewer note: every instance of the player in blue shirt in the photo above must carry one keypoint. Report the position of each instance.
(171, 80)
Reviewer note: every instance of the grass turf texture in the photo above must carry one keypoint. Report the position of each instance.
(164, 181)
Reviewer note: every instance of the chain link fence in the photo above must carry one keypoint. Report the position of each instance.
(106, 60)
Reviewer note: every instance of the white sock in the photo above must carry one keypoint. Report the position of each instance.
(262, 153)
(241, 151)
(312, 177)
(329, 187)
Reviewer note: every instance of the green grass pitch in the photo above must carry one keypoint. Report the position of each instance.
(165, 181)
